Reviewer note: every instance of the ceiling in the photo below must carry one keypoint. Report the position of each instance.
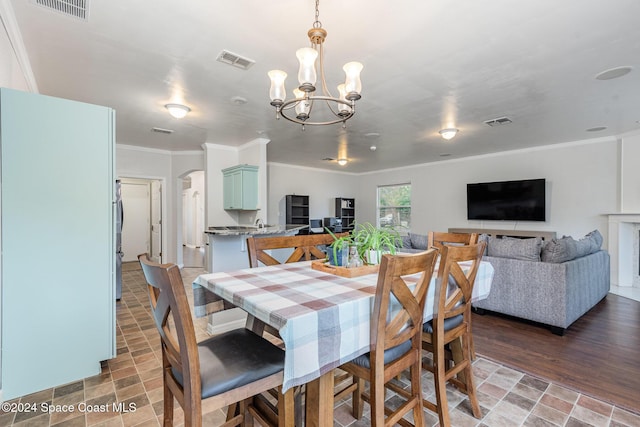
(428, 65)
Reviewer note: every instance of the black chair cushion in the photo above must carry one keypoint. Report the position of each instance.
(234, 359)
(449, 323)
(390, 355)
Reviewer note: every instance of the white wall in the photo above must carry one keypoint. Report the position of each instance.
(581, 187)
(136, 162)
(322, 187)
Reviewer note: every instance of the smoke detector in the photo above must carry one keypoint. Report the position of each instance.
(78, 9)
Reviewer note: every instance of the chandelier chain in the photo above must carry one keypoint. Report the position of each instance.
(317, 23)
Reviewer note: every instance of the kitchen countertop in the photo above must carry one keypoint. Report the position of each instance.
(238, 230)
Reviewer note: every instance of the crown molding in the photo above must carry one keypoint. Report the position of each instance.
(8, 19)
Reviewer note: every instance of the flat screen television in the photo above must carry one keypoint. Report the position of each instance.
(507, 200)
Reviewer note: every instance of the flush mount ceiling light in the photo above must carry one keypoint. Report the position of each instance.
(338, 109)
(342, 162)
(177, 110)
(448, 133)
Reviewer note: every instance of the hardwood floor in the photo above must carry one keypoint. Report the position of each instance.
(599, 355)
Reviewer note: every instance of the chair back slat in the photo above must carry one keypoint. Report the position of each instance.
(436, 239)
(304, 247)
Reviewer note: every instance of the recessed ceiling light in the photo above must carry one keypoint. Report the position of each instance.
(373, 148)
(614, 73)
(596, 129)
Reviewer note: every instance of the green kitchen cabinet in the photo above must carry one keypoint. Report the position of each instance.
(240, 188)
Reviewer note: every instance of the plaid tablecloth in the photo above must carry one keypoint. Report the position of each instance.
(323, 319)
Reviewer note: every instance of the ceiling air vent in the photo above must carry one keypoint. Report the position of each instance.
(498, 122)
(78, 9)
(234, 59)
(161, 130)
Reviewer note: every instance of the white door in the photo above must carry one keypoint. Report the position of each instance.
(136, 204)
(156, 221)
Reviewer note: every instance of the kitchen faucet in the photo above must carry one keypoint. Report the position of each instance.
(259, 223)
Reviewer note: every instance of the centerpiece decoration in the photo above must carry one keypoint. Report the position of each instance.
(358, 253)
(373, 241)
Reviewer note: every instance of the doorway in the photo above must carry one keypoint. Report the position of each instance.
(142, 219)
(193, 243)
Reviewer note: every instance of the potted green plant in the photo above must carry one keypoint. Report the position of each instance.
(338, 249)
(373, 241)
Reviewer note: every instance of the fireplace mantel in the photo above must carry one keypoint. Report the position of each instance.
(622, 237)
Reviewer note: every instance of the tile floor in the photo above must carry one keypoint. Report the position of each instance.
(508, 398)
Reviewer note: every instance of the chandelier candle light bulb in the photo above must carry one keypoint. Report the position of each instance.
(303, 106)
(352, 84)
(307, 73)
(342, 108)
(277, 91)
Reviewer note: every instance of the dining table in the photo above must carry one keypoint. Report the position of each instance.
(322, 318)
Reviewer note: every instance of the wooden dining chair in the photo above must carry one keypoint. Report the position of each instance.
(436, 239)
(396, 326)
(227, 369)
(305, 247)
(450, 328)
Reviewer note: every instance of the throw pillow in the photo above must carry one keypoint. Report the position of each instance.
(523, 249)
(567, 248)
(589, 244)
(418, 241)
(559, 250)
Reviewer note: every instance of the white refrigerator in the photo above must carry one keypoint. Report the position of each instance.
(58, 241)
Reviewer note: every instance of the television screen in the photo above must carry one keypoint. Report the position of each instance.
(507, 200)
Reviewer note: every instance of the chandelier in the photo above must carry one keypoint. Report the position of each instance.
(338, 109)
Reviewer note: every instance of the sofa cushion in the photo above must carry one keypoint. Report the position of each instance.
(508, 247)
(418, 241)
(567, 248)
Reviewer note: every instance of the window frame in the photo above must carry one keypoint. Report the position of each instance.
(398, 227)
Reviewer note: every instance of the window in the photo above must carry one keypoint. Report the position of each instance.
(394, 206)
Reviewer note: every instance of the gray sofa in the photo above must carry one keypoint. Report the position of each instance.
(552, 282)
